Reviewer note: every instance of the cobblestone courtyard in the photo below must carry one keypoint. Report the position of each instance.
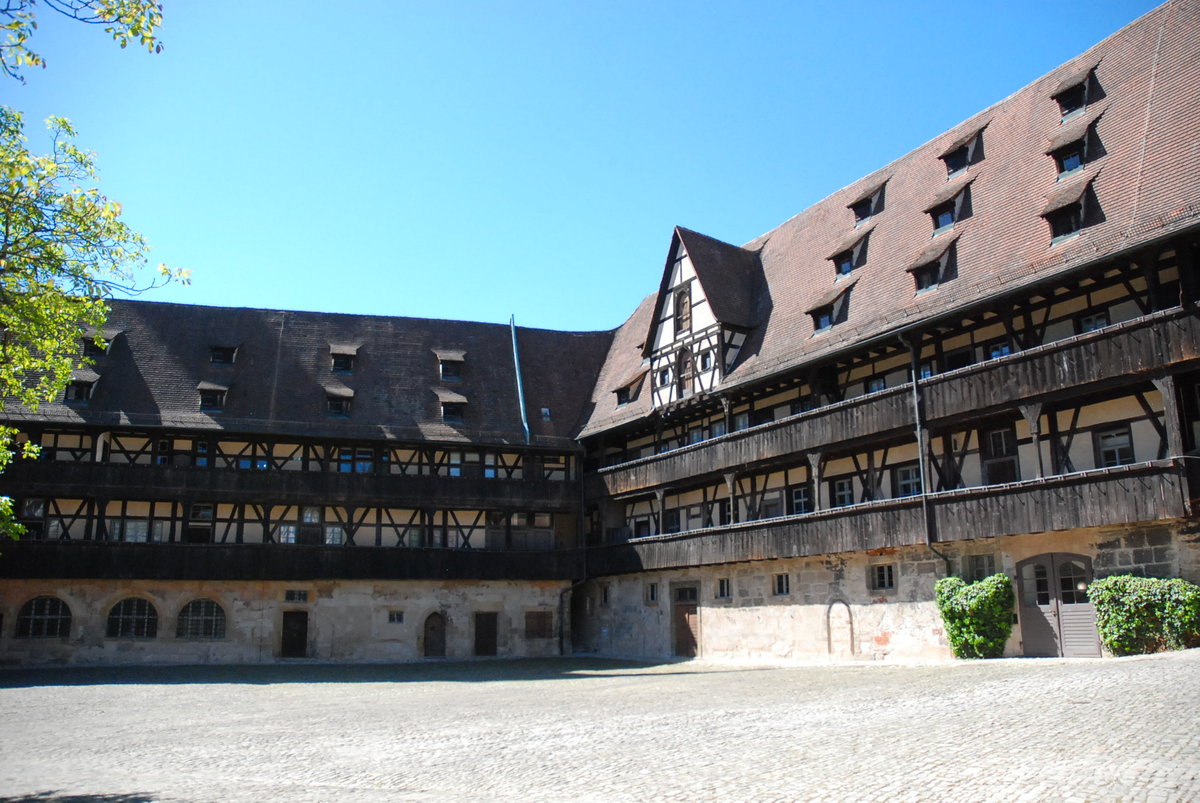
(1118, 729)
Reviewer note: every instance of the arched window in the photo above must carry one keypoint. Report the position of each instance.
(201, 619)
(133, 618)
(44, 617)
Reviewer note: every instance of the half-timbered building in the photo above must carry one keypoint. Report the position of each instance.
(982, 357)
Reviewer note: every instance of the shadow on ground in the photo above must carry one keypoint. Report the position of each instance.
(55, 797)
(302, 672)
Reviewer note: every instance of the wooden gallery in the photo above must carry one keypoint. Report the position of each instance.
(983, 357)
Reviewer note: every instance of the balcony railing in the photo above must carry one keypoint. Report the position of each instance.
(249, 562)
(1142, 492)
(114, 481)
(1119, 354)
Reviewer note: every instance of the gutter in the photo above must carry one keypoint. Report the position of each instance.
(512, 326)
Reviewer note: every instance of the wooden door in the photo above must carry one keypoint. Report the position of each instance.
(435, 636)
(685, 616)
(294, 641)
(485, 633)
(1057, 619)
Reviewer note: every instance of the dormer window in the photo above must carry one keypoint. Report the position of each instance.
(1072, 101)
(546, 414)
(622, 396)
(343, 363)
(212, 401)
(1067, 208)
(844, 263)
(956, 161)
(222, 355)
(450, 362)
(822, 318)
(963, 152)
(453, 412)
(868, 205)
(337, 406)
(950, 205)
(78, 392)
(850, 252)
(832, 307)
(1075, 92)
(1065, 222)
(1069, 159)
(926, 277)
(94, 350)
(943, 216)
(935, 264)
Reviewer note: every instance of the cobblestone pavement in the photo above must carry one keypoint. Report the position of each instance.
(580, 729)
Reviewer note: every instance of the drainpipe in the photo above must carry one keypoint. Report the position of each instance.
(512, 326)
(914, 359)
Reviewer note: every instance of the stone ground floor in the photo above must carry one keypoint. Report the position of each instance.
(1118, 729)
(872, 605)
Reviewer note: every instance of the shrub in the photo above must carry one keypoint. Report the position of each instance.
(1146, 614)
(977, 616)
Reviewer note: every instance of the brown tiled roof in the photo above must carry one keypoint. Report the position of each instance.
(850, 240)
(1073, 79)
(839, 290)
(934, 251)
(728, 275)
(1149, 187)
(868, 190)
(951, 190)
(282, 375)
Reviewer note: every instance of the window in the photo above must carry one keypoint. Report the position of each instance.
(450, 371)
(622, 396)
(539, 624)
(310, 515)
(287, 534)
(1072, 101)
(93, 350)
(1065, 222)
(868, 205)
(337, 406)
(671, 520)
(841, 492)
(822, 318)
(295, 595)
(959, 358)
(212, 401)
(663, 377)
(844, 263)
(651, 593)
(802, 499)
(132, 618)
(546, 414)
(906, 481)
(130, 530)
(781, 585)
(1069, 159)
(201, 619)
(927, 277)
(717, 428)
(334, 535)
(997, 348)
(706, 360)
(78, 393)
(222, 355)
(683, 310)
(874, 384)
(957, 160)
(604, 594)
(343, 363)
(687, 594)
(980, 566)
(999, 447)
(355, 460)
(883, 577)
(44, 617)
(396, 617)
(453, 412)
(924, 370)
(685, 372)
(741, 421)
(1091, 321)
(1114, 447)
(943, 216)
(723, 589)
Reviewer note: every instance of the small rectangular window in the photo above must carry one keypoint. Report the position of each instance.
(396, 617)
(956, 160)
(78, 393)
(874, 384)
(453, 412)
(1069, 159)
(1073, 101)
(212, 401)
(651, 593)
(295, 595)
(93, 350)
(802, 499)
(980, 566)
(546, 414)
(687, 594)
(927, 277)
(1065, 222)
(450, 370)
(883, 577)
(604, 594)
(822, 318)
(337, 407)
(844, 263)
(906, 481)
(998, 348)
(943, 217)
(1091, 321)
(863, 209)
(343, 364)
(723, 589)
(222, 355)
(310, 515)
(782, 584)
(1114, 447)
(622, 396)
(286, 534)
(334, 535)
(841, 492)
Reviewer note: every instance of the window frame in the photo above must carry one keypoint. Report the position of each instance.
(1123, 430)
(781, 585)
(44, 617)
(882, 576)
(132, 618)
(201, 620)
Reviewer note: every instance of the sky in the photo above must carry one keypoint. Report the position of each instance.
(476, 160)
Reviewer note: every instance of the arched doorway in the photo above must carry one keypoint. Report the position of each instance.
(435, 636)
(839, 630)
(1057, 618)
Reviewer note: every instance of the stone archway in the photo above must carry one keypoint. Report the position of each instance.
(434, 636)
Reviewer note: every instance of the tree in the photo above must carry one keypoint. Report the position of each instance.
(63, 250)
(126, 20)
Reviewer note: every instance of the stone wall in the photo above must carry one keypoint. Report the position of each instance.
(347, 621)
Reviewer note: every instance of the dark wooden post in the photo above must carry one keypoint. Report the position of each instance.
(1171, 417)
(1033, 417)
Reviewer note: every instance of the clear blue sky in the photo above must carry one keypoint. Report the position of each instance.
(473, 160)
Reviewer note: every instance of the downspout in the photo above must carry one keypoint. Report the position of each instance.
(919, 426)
(512, 326)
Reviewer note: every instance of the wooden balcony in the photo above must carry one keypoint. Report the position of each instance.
(1122, 354)
(110, 481)
(1139, 493)
(249, 562)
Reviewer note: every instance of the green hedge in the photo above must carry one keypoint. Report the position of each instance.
(977, 616)
(1146, 614)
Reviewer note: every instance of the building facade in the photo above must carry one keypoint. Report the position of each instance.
(983, 357)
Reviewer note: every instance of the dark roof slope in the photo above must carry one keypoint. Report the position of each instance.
(282, 375)
(1148, 185)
